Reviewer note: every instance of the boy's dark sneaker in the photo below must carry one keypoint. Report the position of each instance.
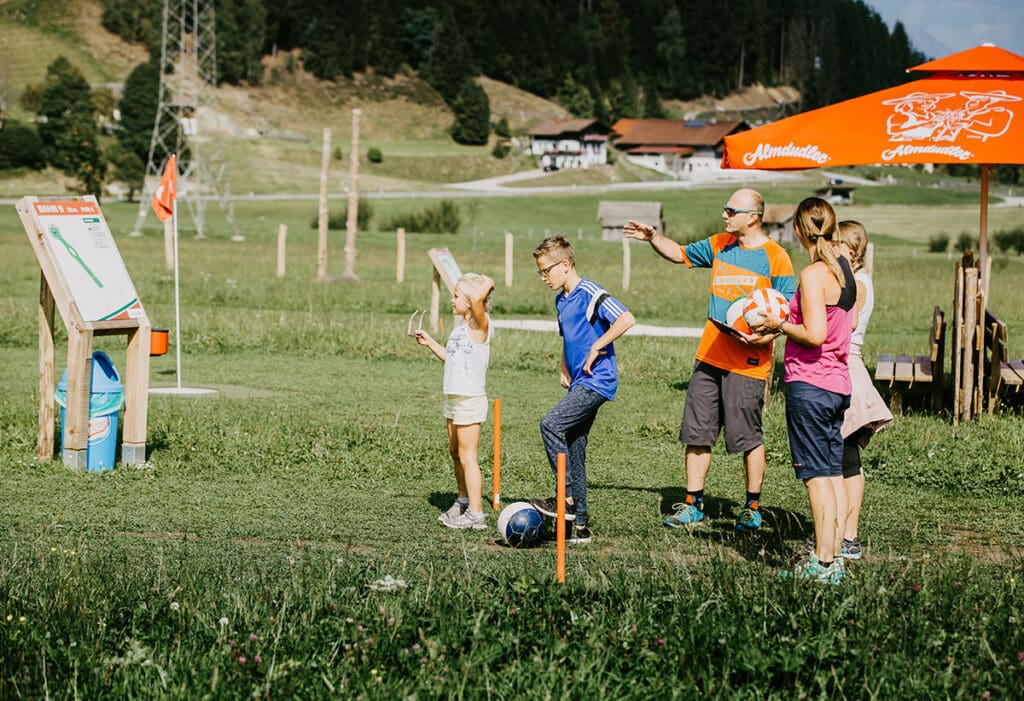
(549, 507)
(579, 535)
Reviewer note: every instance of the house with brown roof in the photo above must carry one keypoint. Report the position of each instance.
(569, 143)
(679, 148)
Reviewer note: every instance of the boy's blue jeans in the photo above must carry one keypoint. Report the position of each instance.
(565, 430)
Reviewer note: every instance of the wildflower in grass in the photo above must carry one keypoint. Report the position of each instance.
(916, 588)
(242, 660)
(175, 606)
(257, 659)
(388, 584)
(252, 637)
(391, 621)
(416, 646)
(231, 642)
(223, 621)
(21, 619)
(359, 628)
(10, 617)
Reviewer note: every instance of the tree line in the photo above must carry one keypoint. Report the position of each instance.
(617, 58)
(606, 59)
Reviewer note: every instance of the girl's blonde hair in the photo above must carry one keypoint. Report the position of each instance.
(472, 283)
(855, 236)
(815, 220)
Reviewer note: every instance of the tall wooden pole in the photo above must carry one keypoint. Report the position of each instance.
(321, 247)
(400, 255)
(353, 202)
(509, 245)
(282, 237)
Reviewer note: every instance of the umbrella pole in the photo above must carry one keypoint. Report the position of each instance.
(983, 230)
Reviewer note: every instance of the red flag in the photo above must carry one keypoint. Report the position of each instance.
(167, 192)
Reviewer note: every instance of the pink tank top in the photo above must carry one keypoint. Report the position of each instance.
(825, 366)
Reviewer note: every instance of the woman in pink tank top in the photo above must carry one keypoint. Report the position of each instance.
(818, 382)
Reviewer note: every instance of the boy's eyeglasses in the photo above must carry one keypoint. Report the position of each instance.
(544, 271)
(732, 211)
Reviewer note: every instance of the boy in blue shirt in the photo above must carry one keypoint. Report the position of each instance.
(589, 320)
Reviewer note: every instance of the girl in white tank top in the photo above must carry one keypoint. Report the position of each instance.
(465, 357)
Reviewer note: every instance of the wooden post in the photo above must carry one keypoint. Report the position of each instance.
(353, 202)
(400, 257)
(322, 218)
(970, 339)
(74, 449)
(169, 243)
(47, 373)
(282, 235)
(136, 394)
(979, 349)
(626, 263)
(958, 339)
(435, 300)
(983, 261)
(509, 244)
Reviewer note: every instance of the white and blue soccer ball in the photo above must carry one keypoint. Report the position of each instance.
(520, 525)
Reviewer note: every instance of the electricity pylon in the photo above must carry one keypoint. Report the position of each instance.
(188, 78)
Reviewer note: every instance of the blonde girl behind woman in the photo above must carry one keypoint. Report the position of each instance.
(868, 413)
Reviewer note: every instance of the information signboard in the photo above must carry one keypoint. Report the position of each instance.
(87, 259)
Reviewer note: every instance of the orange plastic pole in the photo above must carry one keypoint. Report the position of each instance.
(496, 501)
(560, 520)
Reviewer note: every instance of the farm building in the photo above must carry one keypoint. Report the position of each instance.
(569, 143)
(836, 192)
(614, 215)
(777, 222)
(680, 149)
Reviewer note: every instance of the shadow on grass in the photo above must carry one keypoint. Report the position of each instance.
(772, 544)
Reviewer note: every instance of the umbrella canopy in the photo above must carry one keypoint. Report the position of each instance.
(970, 111)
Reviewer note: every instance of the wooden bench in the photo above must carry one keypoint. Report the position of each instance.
(902, 372)
(1005, 374)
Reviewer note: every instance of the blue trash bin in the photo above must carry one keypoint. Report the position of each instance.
(106, 397)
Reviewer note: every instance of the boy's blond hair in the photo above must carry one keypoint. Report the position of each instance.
(855, 236)
(557, 248)
(472, 283)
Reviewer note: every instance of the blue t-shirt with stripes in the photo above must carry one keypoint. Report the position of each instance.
(584, 315)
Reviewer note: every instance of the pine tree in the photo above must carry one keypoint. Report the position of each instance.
(69, 133)
(138, 110)
(472, 110)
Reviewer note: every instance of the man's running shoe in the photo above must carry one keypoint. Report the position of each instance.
(749, 520)
(578, 535)
(686, 514)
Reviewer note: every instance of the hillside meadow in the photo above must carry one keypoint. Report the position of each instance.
(281, 538)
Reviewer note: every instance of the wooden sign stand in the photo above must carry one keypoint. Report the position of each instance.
(55, 292)
(446, 270)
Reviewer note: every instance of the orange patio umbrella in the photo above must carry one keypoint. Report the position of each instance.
(971, 110)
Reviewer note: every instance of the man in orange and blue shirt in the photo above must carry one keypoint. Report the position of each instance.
(726, 390)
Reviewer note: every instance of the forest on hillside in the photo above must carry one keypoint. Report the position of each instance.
(600, 58)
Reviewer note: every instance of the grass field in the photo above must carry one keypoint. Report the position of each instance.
(281, 539)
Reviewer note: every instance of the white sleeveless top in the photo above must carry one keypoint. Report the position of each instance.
(465, 364)
(865, 313)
